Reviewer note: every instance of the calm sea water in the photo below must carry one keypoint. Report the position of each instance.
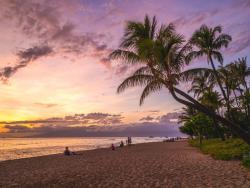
(15, 148)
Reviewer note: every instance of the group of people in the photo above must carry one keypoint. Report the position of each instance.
(128, 142)
(172, 139)
(67, 152)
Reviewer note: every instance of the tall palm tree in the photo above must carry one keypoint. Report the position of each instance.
(243, 71)
(208, 42)
(234, 77)
(161, 52)
(227, 79)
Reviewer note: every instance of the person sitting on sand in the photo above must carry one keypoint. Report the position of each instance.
(112, 147)
(66, 151)
(121, 144)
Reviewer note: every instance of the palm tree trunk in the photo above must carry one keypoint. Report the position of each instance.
(247, 105)
(217, 78)
(220, 85)
(200, 139)
(196, 105)
(218, 130)
(236, 99)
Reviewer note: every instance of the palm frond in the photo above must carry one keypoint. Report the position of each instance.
(191, 74)
(218, 56)
(150, 88)
(134, 80)
(217, 28)
(192, 55)
(222, 41)
(143, 70)
(125, 55)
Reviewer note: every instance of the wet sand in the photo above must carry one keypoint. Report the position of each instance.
(172, 164)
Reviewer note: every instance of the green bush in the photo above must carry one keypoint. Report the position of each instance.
(223, 150)
(246, 162)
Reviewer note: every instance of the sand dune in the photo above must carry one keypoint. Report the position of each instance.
(143, 165)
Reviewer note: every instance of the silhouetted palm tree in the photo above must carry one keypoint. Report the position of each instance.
(208, 42)
(161, 52)
(186, 114)
(202, 83)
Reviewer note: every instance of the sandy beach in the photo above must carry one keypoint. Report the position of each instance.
(143, 165)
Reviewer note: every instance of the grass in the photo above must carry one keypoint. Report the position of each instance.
(230, 149)
(246, 162)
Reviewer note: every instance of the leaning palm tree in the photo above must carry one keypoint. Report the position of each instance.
(208, 42)
(161, 53)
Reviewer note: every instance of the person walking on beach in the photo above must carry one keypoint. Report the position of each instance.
(129, 141)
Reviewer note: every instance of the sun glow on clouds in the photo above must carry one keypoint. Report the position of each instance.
(76, 76)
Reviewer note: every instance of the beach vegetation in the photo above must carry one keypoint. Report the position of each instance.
(230, 149)
(246, 162)
(161, 57)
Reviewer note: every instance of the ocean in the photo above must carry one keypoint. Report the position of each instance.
(16, 148)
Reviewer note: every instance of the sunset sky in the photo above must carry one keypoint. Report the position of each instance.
(54, 55)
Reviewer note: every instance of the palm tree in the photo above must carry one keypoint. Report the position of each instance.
(234, 77)
(243, 71)
(161, 52)
(208, 42)
(227, 79)
(187, 114)
(202, 83)
(211, 99)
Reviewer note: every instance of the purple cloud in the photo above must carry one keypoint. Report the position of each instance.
(44, 21)
(136, 129)
(169, 117)
(25, 57)
(147, 118)
(83, 119)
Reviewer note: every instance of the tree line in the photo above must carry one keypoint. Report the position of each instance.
(218, 102)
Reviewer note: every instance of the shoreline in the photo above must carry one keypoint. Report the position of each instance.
(158, 164)
(78, 152)
(14, 149)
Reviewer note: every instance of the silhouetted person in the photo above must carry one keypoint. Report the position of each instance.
(129, 140)
(121, 144)
(66, 151)
(112, 147)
